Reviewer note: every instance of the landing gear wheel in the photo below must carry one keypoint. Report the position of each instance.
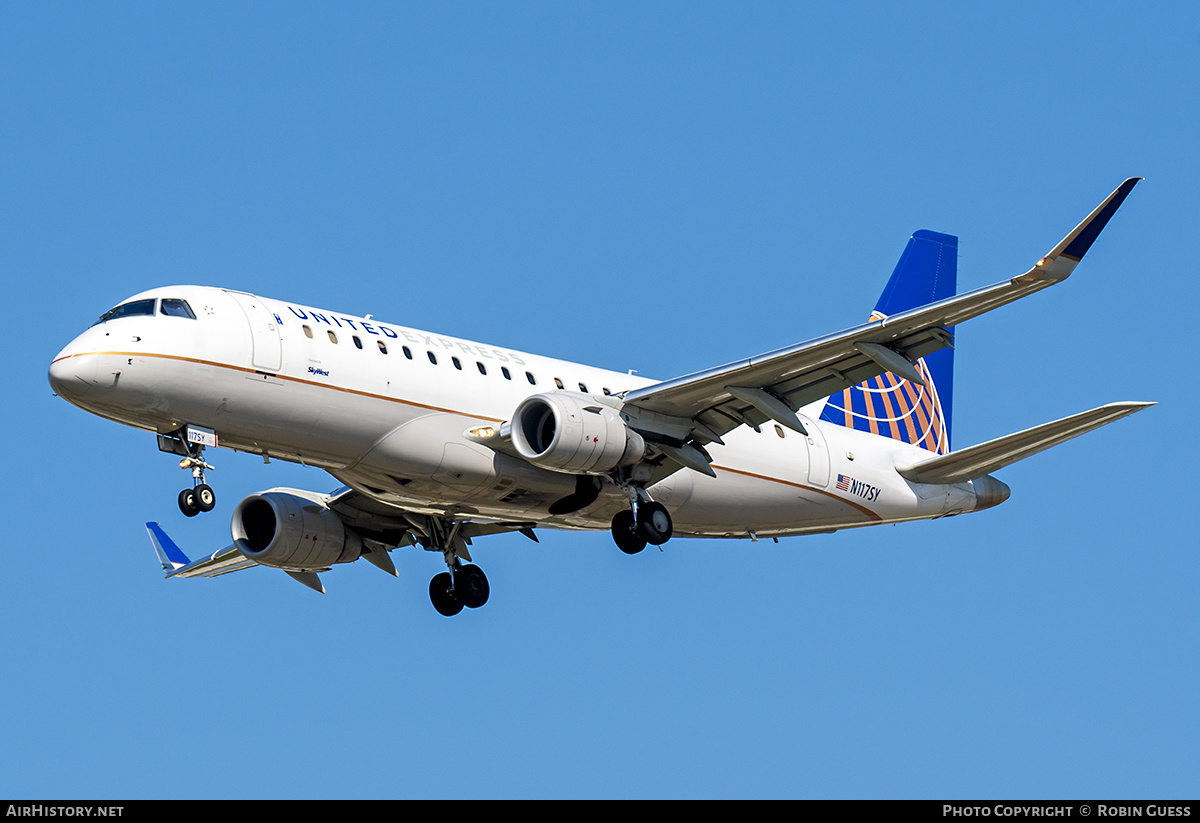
(654, 523)
(205, 497)
(471, 586)
(624, 534)
(444, 600)
(188, 504)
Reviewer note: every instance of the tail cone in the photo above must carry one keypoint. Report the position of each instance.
(989, 492)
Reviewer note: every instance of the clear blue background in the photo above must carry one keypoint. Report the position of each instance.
(661, 187)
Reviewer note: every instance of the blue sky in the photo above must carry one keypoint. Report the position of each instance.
(661, 187)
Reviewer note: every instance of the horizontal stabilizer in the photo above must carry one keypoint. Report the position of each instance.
(977, 461)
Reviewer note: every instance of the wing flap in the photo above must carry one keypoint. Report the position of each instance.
(227, 560)
(985, 458)
(392, 526)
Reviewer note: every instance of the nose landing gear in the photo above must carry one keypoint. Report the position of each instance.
(200, 498)
(190, 441)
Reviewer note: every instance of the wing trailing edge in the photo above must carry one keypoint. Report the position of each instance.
(981, 460)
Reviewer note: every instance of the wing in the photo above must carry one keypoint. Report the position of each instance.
(381, 526)
(177, 564)
(775, 385)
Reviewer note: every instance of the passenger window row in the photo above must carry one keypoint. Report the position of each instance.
(308, 332)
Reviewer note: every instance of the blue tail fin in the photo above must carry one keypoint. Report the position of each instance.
(891, 406)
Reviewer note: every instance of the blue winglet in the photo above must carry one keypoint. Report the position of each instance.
(168, 553)
(1097, 220)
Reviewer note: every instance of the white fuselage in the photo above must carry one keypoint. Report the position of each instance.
(384, 409)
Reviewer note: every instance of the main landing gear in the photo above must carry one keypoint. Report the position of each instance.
(461, 585)
(643, 522)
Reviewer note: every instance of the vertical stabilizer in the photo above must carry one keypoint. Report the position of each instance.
(892, 406)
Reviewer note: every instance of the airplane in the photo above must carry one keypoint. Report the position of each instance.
(437, 441)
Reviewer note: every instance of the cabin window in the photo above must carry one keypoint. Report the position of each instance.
(382, 347)
(482, 368)
(779, 431)
(173, 307)
(457, 363)
(407, 352)
(332, 336)
(432, 357)
(583, 388)
(558, 383)
(307, 332)
(606, 391)
(529, 376)
(507, 374)
(357, 342)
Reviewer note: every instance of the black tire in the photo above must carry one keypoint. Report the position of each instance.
(624, 535)
(442, 598)
(187, 503)
(471, 586)
(654, 523)
(205, 497)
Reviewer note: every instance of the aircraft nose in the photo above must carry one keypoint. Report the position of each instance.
(72, 376)
(62, 374)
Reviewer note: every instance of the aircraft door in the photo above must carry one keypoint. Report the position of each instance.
(264, 331)
(818, 454)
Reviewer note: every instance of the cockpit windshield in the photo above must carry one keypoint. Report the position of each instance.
(177, 308)
(130, 309)
(169, 306)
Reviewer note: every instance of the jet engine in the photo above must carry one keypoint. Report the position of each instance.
(286, 531)
(573, 433)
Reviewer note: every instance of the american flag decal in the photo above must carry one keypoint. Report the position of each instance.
(846, 483)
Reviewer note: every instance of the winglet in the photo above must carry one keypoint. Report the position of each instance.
(168, 553)
(1058, 264)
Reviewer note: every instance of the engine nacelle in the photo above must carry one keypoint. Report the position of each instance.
(287, 531)
(570, 432)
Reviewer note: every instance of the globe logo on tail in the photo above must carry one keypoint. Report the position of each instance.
(890, 406)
